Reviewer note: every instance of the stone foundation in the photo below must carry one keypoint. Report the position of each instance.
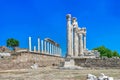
(26, 60)
(98, 63)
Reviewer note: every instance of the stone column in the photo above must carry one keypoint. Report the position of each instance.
(80, 44)
(34, 48)
(45, 47)
(84, 42)
(55, 50)
(75, 36)
(50, 48)
(30, 44)
(60, 52)
(39, 45)
(42, 46)
(76, 49)
(69, 35)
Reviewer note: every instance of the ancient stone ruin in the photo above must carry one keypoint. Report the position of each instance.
(46, 46)
(76, 40)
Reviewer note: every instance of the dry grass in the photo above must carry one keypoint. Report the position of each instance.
(46, 73)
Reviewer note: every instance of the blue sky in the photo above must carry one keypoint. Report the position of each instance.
(20, 19)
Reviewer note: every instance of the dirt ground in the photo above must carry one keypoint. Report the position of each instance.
(47, 73)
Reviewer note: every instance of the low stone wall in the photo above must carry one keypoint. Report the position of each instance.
(26, 60)
(98, 63)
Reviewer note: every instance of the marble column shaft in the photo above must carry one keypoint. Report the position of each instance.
(50, 48)
(30, 44)
(76, 49)
(42, 42)
(45, 47)
(81, 44)
(38, 44)
(84, 42)
(69, 36)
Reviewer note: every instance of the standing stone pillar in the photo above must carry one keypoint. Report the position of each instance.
(45, 47)
(81, 44)
(60, 52)
(76, 52)
(30, 44)
(69, 36)
(39, 45)
(75, 37)
(84, 42)
(42, 46)
(55, 49)
(34, 48)
(50, 48)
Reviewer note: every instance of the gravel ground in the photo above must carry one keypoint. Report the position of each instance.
(48, 73)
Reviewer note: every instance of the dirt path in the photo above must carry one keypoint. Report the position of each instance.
(46, 73)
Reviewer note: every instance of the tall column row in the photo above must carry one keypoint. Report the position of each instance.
(45, 47)
(76, 38)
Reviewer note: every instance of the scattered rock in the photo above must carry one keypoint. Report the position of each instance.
(35, 66)
(101, 77)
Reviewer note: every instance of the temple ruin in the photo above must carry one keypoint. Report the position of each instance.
(76, 40)
(46, 46)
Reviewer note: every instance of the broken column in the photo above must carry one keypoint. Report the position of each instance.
(34, 48)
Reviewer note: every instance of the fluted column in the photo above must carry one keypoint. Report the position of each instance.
(50, 48)
(45, 47)
(80, 44)
(76, 43)
(39, 45)
(42, 46)
(30, 44)
(60, 52)
(69, 35)
(55, 49)
(84, 42)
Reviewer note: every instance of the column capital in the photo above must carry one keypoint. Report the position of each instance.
(68, 17)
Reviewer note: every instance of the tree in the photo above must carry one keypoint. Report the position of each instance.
(115, 54)
(106, 52)
(11, 42)
(102, 49)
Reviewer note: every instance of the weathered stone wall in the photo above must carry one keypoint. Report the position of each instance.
(98, 63)
(26, 60)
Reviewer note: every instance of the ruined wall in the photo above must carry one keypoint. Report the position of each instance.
(98, 63)
(25, 60)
